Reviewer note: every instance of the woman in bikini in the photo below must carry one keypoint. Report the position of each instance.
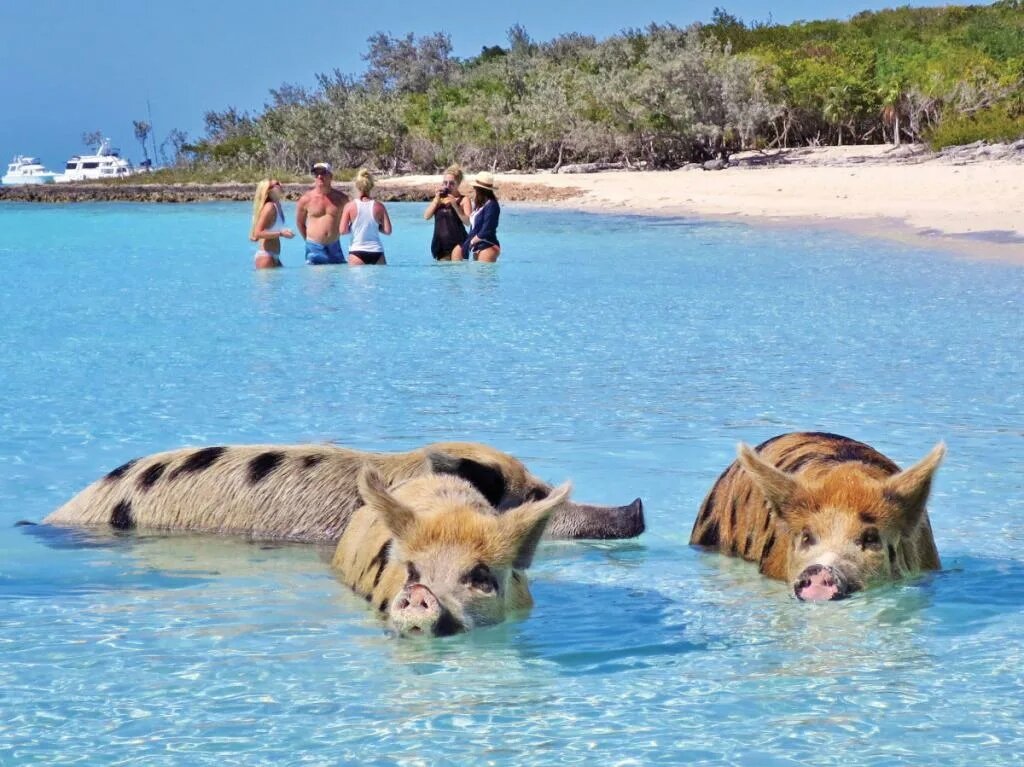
(482, 240)
(450, 211)
(366, 219)
(268, 224)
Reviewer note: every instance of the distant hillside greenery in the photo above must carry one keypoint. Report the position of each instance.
(660, 96)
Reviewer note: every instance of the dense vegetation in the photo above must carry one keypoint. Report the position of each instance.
(660, 96)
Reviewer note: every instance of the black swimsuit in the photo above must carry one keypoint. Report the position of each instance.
(449, 230)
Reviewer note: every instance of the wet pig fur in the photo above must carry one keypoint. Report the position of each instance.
(309, 492)
(825, 513)
(433, 557)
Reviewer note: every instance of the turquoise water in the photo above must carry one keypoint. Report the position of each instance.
(629, 355)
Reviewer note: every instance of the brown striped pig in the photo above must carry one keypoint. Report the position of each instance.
(825, 513)
(434, 558)
(309, 492)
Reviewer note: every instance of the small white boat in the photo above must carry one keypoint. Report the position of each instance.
(106, 163)
(27, 170)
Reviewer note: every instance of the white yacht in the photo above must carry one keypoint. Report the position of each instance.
(106, 163)
(27, 170)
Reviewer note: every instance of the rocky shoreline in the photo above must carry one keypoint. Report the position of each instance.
(388, 190)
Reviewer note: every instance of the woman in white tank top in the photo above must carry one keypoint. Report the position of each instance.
(366, 220)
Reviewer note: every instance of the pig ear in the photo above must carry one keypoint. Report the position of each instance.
(778, 486)
(525, 524)
(398, 518)
(910, 488)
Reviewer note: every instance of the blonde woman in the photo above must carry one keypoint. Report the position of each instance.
(450, 210)
(267, 214)
(366, 220)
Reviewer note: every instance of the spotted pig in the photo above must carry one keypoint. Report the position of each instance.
(433, 557)
(309, 492)
(825, 513)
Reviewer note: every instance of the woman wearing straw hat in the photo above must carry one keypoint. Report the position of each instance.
(482, 240)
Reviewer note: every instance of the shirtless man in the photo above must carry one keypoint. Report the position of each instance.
(318, 218)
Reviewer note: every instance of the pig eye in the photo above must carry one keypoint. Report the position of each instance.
(412, 572)
(870, 539)
(482, 579)
(807, 539)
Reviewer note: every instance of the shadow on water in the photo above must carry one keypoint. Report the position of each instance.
(579, 628)
(968, 595)
(576, 628)
(100, 566)
(92, 560)
(75, 538)
(596, 628)
(971, 593)
(963, 598)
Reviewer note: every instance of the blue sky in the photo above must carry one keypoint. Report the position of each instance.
(70, 66)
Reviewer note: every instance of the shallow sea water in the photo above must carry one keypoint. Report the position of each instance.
(628, 354)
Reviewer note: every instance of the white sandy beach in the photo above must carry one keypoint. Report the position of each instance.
(971, 202)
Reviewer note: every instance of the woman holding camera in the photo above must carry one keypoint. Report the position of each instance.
(450, 211)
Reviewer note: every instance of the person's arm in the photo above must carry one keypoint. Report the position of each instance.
(432, 208)
(300, 216)
(383, 219)
(267, 217)
(463, 209)
(348, 214)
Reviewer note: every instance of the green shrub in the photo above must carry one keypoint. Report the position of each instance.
(996, 124)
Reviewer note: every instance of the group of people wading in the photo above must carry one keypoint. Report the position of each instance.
(464, 226)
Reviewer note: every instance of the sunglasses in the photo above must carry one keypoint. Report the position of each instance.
(276, 185)
(321, 172)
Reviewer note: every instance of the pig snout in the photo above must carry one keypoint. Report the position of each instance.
(416, 611)
(819, 583)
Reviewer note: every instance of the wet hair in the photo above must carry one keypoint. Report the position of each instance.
(364, 181)
(261, 198)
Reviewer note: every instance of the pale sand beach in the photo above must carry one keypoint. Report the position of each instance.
(970, 201)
